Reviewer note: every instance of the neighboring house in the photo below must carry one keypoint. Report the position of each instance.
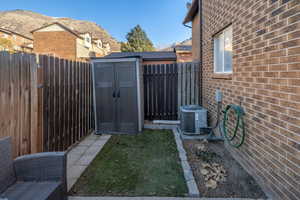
(183, 53)
(250, 50)
(63, 42)
(18, 41)
(154, 57)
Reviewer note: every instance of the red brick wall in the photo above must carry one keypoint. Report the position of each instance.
(60, 43)
(265, 80)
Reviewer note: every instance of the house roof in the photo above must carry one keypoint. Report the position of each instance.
(5, 31)
(12, 32)
(146, 56)
(192, 12)
(61, 25)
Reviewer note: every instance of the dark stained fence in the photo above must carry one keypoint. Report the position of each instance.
(67, 102)
(169, 86)
(188, 83)
(45, 103)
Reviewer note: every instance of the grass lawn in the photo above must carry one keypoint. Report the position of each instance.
(141, 165)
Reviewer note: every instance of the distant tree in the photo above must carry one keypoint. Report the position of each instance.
(5, 44)
(137, 41)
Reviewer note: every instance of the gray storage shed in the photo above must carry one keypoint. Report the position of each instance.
(118, 95)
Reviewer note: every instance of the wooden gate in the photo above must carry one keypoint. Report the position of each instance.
(169, 86)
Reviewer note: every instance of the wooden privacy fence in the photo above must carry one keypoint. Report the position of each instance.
(169, 86)
(18, 116)
(46, 102)
(67, 102)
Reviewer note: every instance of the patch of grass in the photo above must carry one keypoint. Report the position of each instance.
(141, 165)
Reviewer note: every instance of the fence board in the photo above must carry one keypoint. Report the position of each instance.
(179, 68)
(193, 84)
(197, 74)
(34, 136)
(46, 101)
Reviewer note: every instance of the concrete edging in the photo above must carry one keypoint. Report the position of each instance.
(187, 170)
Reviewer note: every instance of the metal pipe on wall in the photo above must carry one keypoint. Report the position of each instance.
(201, 53)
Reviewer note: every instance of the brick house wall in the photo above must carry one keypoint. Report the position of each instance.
(265, 80)
(59, 43)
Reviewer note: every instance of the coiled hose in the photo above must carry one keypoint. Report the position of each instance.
(239, 112)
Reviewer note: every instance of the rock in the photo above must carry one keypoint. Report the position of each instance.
(204, 171)
(211, 184)
(205, 165)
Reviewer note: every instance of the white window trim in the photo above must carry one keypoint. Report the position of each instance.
(215, 67)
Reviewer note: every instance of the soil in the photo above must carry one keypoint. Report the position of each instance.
(238, 183)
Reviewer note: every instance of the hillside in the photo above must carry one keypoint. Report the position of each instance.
(23, 22)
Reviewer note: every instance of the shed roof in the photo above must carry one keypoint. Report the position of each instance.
(146, 56)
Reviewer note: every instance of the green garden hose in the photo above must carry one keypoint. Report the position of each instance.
(239, 112)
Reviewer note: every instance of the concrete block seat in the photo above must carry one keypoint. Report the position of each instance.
(39, 176)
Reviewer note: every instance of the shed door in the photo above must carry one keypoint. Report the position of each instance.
(127, 108)
(105, 103)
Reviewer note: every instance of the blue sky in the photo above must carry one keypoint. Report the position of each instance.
(161, 19)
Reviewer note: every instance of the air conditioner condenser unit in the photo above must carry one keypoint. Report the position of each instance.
(193, 118)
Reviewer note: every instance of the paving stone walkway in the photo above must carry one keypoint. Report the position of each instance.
(82, 155)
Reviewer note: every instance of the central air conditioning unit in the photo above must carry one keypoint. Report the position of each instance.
(192, 119)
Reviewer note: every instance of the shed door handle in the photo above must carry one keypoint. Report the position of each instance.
(114, 94)
(118, 95)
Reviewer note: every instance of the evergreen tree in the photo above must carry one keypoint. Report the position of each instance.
(137, 41)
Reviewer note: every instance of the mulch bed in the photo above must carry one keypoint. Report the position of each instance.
(217, 174)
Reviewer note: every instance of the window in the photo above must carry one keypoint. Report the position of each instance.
(223, 51)
(99, 44)
(87, 39)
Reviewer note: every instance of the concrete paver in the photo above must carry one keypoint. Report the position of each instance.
(82, 155)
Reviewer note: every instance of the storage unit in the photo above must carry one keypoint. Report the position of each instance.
(118, 95)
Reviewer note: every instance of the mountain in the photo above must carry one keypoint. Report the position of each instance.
(187, 42)
(24, 21)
